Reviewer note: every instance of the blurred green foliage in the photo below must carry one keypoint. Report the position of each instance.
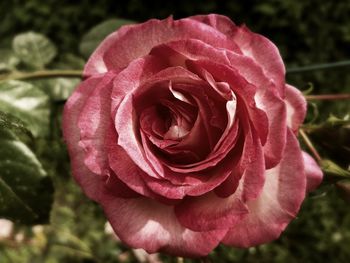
(306, 32)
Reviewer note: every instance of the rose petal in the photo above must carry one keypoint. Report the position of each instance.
(314, 174)
(243, 90)
(253, 45)
(134, 41)
(118, 188)
(131, 78)
(126, 170)
(253, 163)
(177, 52)
(176, 185)
(250, 168)
(264, 53)
(276, 113)
(90, 182)
(267, 100)
(296, 108)
(278, 204)
(143, 223)
(209, 212)
(219, 22)
(127, 137)
(93, 122)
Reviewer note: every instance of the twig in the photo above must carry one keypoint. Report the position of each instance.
(345, 96)
(319, 66)
(17, 75)
(310, 145)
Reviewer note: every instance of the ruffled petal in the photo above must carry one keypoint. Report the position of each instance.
(277, 205)
(125, 124)
(266, 97)
(252, 45)
(296, 108)
(268, 100)
(219, 22)
(90, 182)
(314, 174)
(132, 77)
(243, 90)
(210, 212)
(147, 224)
(94, 122)
(134, 41)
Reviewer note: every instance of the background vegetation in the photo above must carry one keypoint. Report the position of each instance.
(306, 32)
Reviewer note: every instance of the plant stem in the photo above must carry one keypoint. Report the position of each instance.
(310, 145)
(319, 66)
(345, 96)
(17, 75)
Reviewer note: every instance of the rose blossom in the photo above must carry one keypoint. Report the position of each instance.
(185, 132)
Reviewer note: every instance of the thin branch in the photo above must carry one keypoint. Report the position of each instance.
(310, 145)
(345, 96)
(17, 75)
(314, 67)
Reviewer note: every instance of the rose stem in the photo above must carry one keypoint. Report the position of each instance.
(319, 67)
(345, 96)
(42, 74)
(310, 145)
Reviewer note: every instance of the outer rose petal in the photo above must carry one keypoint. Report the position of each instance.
(220, 22)
(278, 204)
(253, 45)
(276, 138)
(134, 41)
(296, 108)
(210, 212)
(90, 182)
(143, 223)
(314, 174)
(94, 122)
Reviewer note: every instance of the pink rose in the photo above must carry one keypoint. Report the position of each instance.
(185, 132)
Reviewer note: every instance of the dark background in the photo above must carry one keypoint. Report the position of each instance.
(306, 32)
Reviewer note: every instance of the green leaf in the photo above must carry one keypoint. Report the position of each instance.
(8, 60)
(34, 49)
(309, 88)
(70, 61)
(334, 120)
(26, 102)
(58, 89)
(95, 36)
(9, 122)
(25, 189)
(332, 168)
